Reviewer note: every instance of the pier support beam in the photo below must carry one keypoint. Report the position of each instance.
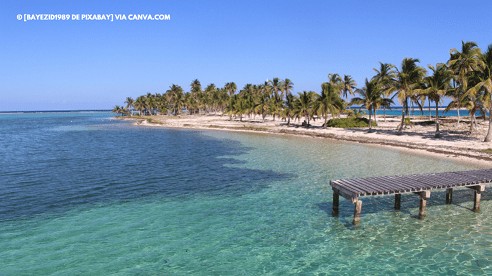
(397, 201)
(336, 202)
(357, 210)
(449, 195)
(478, 195)
(423, 202)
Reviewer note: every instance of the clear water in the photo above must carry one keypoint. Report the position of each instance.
(81, 193)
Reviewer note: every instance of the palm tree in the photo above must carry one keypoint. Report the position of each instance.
(385, 76)
(129, 104)
(231, 88)
(162, 103)
(197, 94)
(286, 87)
(349, 85)
(474, 103)
(436, 87)
(329, 102)
(149, 103)
(191, 102)
(371, 97)
(240, 106)
(275, 85)
(336, 83)
(119, 110)
(406, 82)
(208, 97)
(262, 107)
(463, 64)
(485, 85)
(289, 106)
(304, 105)
(140, 104)
(176, 98)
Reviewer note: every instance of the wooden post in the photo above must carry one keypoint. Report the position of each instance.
(423, 203)
(397, 201)
(476, 203)
(449, 195)
(357, 210)
(478, 194)
(336, 202)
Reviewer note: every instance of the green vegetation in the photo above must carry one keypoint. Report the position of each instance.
(350, 122)
(408, 122)
(489, 151)
(371, 97)
(466, 78)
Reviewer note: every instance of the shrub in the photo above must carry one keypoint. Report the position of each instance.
(349, 113)
(350, 122)
(354, 113)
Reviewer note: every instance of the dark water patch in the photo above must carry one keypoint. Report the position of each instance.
(54, 164)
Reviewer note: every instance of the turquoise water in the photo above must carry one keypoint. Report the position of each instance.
(84, 194)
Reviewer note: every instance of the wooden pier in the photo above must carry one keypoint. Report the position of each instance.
(420, 184)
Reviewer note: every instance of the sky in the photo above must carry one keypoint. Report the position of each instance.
(73, 65)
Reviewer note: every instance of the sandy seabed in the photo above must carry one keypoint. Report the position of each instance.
(456, 141)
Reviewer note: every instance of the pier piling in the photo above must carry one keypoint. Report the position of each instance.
(336, 202)
(357, 211)
(397, 201)
(423, 203)
(449, 195)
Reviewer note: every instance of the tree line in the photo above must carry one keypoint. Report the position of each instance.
(466, 79)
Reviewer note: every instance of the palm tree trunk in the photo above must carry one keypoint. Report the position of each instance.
(472, 120)
(370, 120)
(430, 117)
(459, 107)
(438, 134)
(488, 137)
(402, 118)
(384, 113)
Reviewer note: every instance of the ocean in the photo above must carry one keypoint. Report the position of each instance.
(83, 193)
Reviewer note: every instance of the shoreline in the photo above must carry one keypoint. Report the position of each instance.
(454, 144)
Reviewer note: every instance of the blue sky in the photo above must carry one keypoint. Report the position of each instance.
(50, 65)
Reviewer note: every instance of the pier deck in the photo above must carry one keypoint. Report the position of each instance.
(420, 184)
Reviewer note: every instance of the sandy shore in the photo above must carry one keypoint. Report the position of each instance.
(456, 142)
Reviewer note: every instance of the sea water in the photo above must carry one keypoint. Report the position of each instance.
(83, 193)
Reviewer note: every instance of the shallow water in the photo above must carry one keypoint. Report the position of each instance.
(83, 194)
